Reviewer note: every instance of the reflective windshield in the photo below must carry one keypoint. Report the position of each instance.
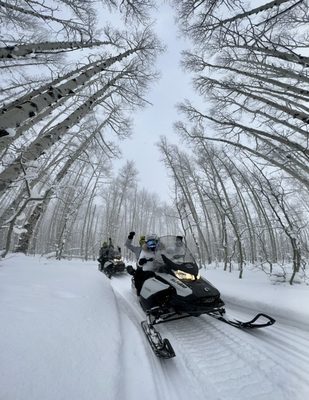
(117, 254)
(175, 249)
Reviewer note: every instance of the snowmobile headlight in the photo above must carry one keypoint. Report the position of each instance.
(185, 276)
(119, 259)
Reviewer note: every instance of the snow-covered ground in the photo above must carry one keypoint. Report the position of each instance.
(67, 332)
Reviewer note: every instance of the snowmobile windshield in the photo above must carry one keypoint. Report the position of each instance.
(173, 253)
(117, 255)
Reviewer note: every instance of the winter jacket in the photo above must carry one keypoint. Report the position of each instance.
(149, 255)
(136, 249)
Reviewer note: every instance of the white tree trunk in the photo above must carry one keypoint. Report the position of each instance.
(23, 50)
(42, 143)
(13, 118)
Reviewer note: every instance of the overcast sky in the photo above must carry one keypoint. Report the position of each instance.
(156, 120)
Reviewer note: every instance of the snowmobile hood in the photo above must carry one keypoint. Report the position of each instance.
(188, 267)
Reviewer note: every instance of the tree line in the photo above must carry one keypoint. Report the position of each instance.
(245, 196)
(61, 117)
(70, 84)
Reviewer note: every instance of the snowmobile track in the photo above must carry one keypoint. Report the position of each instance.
(208, 346)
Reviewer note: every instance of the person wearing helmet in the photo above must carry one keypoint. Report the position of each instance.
(103, 254)
(135, 249)
(147, 253)
(145, 265)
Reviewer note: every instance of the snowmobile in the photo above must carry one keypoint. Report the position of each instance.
(112, 266)
(175, 290)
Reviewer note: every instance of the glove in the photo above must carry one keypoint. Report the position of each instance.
(131, 235)
(130, 270)
(143, 261)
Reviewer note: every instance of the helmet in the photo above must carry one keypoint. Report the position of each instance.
(151, 241)
(179, 241)
(142, 240)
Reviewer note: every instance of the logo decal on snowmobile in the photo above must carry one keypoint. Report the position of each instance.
(181, 288)
(206, 289)
(178, 283)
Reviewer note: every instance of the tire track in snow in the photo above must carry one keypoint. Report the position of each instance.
(131, 310)
(284, 349)
(225, 362)
(220, 362)
(170, 378)
(133, 382)
(283, 343)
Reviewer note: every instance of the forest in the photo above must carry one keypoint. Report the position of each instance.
(73, 72)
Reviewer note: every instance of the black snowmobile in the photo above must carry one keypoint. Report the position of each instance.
(177, 291)
(114, 265)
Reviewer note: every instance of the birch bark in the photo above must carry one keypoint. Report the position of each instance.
(44, 142)
(23, 50)
(21, 113)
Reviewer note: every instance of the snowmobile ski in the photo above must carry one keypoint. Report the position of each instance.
(266, 320)
(161, 347)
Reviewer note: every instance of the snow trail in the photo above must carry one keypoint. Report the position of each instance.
(68, 332)
(167, 374)
(227, 363)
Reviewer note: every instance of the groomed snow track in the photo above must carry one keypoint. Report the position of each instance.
(218, 362)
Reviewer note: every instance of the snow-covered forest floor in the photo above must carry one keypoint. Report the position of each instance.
(67, 332)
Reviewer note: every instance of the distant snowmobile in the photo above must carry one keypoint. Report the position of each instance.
(177, 291)
(113, 266)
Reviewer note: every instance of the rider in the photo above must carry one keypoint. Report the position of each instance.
(145, 262)
(179, 246)
(103, 254)
(106, 253)
(147, 253)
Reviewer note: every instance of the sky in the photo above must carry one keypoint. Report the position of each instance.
(157, 119)
(68, 332)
